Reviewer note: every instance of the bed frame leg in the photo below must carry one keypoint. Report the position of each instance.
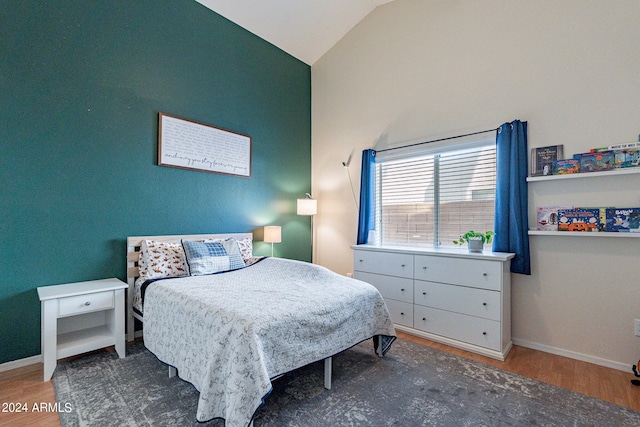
(172, 372)
(327, 373)
(379, 348)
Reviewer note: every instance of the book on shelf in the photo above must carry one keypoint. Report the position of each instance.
(579, 220)
(595, 162)
(624, 220)
(548, 217)
(542, 159)
(603, 215)
(617, 147)
(566, 166)
(626, 158)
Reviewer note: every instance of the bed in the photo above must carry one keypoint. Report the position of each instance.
(233, 331)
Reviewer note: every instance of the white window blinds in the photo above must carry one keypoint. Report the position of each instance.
(430, 200)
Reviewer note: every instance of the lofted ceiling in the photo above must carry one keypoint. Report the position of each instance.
(305, 29)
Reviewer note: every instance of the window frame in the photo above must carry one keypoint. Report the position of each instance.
(416, 152)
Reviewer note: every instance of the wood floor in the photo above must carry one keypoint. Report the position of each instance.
(25, 386)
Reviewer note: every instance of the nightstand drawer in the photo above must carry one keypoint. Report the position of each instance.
(79, 304)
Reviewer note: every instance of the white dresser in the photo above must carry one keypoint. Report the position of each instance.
(446, 295)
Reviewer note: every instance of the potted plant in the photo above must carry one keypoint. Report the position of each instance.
(475, 240)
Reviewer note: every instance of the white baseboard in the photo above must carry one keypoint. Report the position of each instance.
(573, 355)
(14, 364)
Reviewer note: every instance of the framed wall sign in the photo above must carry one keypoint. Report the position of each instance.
(188, 144)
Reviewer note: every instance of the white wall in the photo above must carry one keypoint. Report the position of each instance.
(417, 70)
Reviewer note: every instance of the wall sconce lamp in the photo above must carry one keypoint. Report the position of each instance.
(272, 234)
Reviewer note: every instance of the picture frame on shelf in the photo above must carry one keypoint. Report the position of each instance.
(542, 159)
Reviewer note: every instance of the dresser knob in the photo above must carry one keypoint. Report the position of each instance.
(484, 333)
(424, 293)
(360, 260)
(402, 266)
(424, 318)
(401, 314)
(424, 268)
(88, 303)
(485, 274)
(401, 290)
(484, 303)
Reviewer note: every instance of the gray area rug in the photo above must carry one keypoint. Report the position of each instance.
(412, 386)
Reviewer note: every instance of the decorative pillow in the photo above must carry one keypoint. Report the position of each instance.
(161, 259)
(212, 257)
(246, 248)
(245, 245)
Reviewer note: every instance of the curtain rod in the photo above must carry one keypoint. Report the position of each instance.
(437, 140)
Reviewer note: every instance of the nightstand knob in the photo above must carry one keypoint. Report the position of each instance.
(424, 318)
(484, 303)
(485, 274)
(88, 303)
(402, 266)
(484, 333)
(424, 268)
(401, 290)
(424, 293)
(401, 314)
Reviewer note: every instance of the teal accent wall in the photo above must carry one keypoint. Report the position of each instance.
(81, 85)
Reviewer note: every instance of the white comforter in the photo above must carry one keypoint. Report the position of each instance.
(229, 333)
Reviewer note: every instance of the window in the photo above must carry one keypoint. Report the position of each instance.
(430, 197)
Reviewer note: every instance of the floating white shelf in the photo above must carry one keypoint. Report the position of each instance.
(624, 171)
(581, 234)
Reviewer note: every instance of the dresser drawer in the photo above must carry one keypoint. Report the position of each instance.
(459, 271)
(390, 264)
(85, 303)
(460, 299)
(401, 312)
(397, 288)
(460, 327)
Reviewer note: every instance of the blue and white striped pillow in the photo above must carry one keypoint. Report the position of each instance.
(212, 257)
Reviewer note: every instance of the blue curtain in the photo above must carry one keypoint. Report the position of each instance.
(511, 215)
(366, 215)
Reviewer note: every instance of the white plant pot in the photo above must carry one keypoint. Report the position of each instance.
(475, 245)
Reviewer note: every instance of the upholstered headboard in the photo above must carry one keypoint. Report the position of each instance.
(133, 256)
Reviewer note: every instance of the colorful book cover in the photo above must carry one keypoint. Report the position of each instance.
(548, 217)
(625, 220)
(566, 166)
(626, 158)
(578, 219)
(596, 162)
(542, 159)
(603, 215)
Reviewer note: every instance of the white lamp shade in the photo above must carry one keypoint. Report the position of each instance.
(307, 206)
(272, 234)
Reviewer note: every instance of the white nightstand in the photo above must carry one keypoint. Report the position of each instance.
(80, 317)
